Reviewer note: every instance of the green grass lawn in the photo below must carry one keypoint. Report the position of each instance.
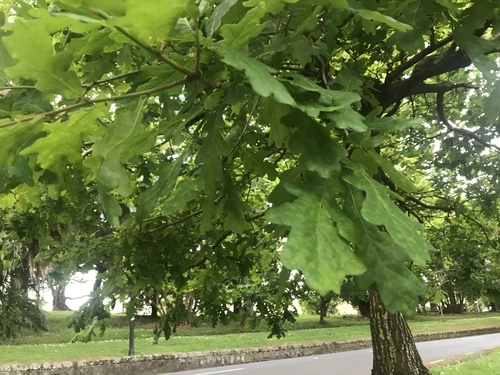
(486, 364)
(54, 345)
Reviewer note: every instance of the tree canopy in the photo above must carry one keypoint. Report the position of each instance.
(195, 136)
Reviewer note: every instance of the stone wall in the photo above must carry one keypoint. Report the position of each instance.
(155, 364)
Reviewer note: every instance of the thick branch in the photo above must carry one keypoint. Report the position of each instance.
(417, 58)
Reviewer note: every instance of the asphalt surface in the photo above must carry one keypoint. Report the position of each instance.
(357, 362)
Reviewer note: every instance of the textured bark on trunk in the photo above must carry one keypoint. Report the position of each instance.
(394, 350)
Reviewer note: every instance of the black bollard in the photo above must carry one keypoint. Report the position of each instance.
(131, 337)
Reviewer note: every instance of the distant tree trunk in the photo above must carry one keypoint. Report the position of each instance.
(394, 350)
(59, 297)
(323, 308)
(364, 308)
(237, 306)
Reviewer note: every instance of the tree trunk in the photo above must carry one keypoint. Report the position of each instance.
(394, 351)
(323, 307)
(59, 298)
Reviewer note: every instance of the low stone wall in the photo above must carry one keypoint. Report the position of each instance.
(165, 363)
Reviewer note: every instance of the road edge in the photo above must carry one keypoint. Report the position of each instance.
(170, 363)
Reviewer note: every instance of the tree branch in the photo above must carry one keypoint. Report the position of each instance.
(190, 75)
(417, 58)
(89, 102)
(450, 127)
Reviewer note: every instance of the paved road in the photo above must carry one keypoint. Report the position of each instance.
(358, 362)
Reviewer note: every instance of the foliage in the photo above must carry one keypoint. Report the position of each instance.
(211, 131)
(18, 313)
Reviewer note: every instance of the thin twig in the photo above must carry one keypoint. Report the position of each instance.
(105, 80)
(2, 88)
(250, 116)
(89, 102)
(450, 127)
(151, 50)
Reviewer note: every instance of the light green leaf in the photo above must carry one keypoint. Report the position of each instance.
(379, 17)
(272, 6)
(398, 286)
(263, 83)
(14, 138)
(313, 245)
(152, 20)
(215, 19)
(52, 72)
(126, 137)
(379, 209)
(5, 61)
(64, 139)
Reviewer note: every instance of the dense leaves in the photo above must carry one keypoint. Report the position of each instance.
(187, 120)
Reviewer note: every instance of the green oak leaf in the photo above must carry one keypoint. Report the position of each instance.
(313, 245)
(215, 19)
(399, 179)
(389, 124)
(379, 17)
(347, 118)
(492, 105)
(185, 191)
(233, 209)
(52, 72)
(272, 6)
(271, 113)
(5, 61)
(14, 138)
(64, 139)
(153, 21)
(385, 261)
(19, 172)
(213, 148)
(477, 49)
(258, 74)
(237, 35)
(125, 138)
(321, 153)
(379, 209)
(167, 176)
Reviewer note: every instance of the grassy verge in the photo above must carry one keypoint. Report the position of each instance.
(486, 364)
(53, 346)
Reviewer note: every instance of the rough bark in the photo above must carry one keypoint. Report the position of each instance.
(394, 350)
